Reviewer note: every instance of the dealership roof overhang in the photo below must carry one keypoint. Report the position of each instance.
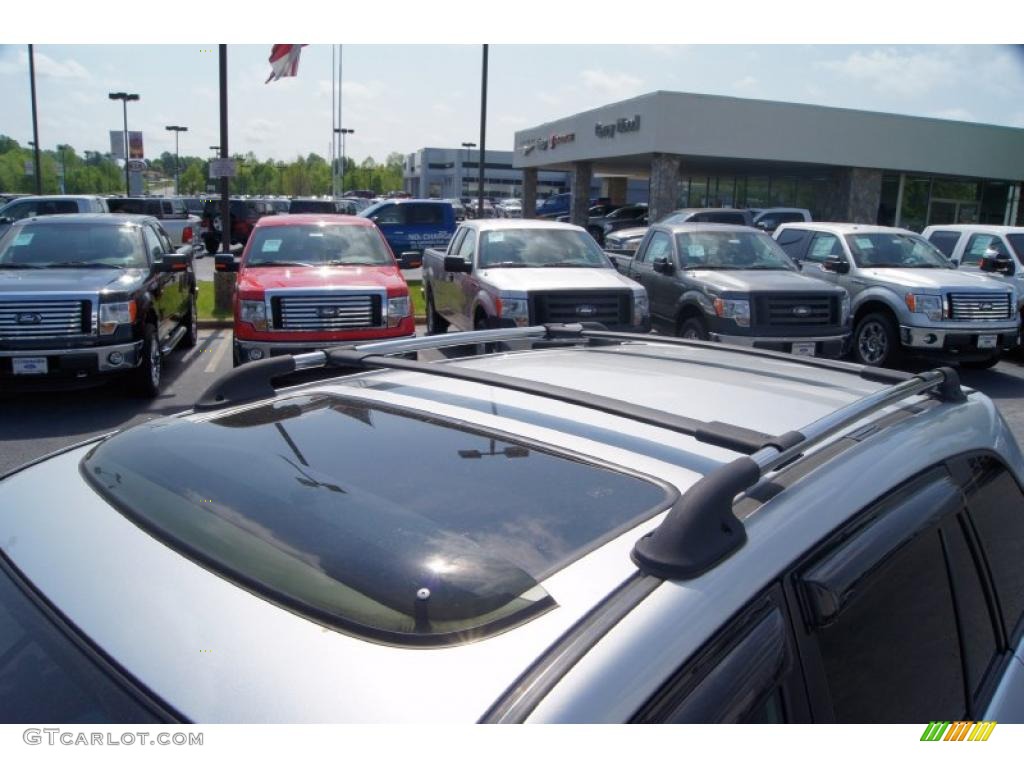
(722, 134)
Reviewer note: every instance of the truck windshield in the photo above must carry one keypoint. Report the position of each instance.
(42, 244)
(730, 250)
(540, 248)
(893, 249)
(318, 245)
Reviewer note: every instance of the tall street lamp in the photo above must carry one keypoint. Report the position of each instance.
(177, 131)
(343, 132)
(468, 145)
(62, 148)
(124, 98)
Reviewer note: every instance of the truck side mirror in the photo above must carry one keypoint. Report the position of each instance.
(457, 264)
(171, 262)
(836, 264)
(663, 265)
(993, 261)
(225, 263)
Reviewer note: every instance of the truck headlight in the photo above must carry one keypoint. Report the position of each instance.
(734, 309)
(641, 308)
(116, 313)
(516, 310)
(254, 313)
(844, 309)
(399, 308)
(925, 304)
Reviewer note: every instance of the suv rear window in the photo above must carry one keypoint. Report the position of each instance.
(307, 502)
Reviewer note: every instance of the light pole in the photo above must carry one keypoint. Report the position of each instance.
(177, 131)
(343, 132)
(63, 168)
(462, 177)
(124, 98)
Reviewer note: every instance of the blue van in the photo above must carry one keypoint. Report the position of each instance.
(410, 226)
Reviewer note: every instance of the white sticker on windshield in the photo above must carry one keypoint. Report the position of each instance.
(271, 246)
(495, 237)
(24, 238)
(864, 242)
(316, 234)
(697, 251)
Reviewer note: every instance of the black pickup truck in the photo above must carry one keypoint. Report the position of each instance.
(733, 284)
(87, 296)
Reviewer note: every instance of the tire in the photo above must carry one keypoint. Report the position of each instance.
(693, 328)
(435, 323)
(191, 337)
(981, 365)
(148, 374)
(876, 342)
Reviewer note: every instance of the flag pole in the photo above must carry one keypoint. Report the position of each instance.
(334, 154)
(483, 136)
(225, 202)
(35, 121)
(341, 153)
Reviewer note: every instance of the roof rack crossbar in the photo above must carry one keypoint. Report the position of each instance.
(701, 529)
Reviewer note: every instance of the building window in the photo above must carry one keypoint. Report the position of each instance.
(887, 203)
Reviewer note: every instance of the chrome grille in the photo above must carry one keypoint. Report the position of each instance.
(44, 319)
(980, 306)
(326, 311)
(610, 307)
(787, 310)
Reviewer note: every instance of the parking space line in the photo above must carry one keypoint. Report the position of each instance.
(217, 355)
(202, 345)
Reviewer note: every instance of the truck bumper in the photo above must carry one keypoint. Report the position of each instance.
(824, 346)
(72, 364)
(247, 351)
(972, 341)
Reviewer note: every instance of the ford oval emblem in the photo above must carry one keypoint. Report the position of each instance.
(29, 318)
(586, 310)
(986, 307)
(327, 312)
(801, 311)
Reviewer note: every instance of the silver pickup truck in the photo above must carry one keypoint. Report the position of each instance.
(506, 273)
(907, 296)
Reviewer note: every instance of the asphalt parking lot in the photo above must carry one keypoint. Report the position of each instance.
(32, 425)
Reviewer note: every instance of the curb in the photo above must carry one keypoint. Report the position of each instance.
(419, 319)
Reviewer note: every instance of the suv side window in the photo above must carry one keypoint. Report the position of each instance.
(424, 214)
(823, 245)
(793, 242)
(20, 211)
(744, 674)
(882, 611)
(996, 507)
(389, 214)
(658, 247)
(977, 246)
(944, 240)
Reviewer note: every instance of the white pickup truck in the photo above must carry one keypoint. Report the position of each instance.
(518, 272)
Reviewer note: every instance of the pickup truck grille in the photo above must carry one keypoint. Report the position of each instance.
(44, 319)
(980, 306)
(326, 312)
(609, 307)
(795, 310)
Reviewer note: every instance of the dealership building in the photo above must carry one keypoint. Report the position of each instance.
(693, 150)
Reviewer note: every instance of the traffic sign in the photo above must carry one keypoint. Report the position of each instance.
(222, 166)
(137, 166)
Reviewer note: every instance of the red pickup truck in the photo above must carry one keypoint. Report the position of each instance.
(312, 281)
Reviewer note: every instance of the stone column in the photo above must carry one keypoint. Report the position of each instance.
(664, 189)
(615, 188)
(582, 173)
(854, 196)
(529, 193)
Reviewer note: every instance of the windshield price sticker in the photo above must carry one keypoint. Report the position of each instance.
(271, 246)
(24, 238)
(697, 251)
(865, 242)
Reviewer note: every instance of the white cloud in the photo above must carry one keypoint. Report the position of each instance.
(745, 82)
(612, 84)
(68, 69)
(259, 129)
(896, 72)
(955, 113)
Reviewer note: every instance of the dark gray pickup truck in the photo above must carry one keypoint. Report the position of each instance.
(736, 285)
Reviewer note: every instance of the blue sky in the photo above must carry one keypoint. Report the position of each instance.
(403, 97)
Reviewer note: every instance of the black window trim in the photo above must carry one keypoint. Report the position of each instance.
(105, 664)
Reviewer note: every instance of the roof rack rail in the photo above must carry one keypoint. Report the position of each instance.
(700, 530)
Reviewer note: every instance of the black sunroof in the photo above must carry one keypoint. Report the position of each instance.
(390, 524)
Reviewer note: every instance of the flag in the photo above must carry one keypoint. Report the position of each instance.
(284, 60)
